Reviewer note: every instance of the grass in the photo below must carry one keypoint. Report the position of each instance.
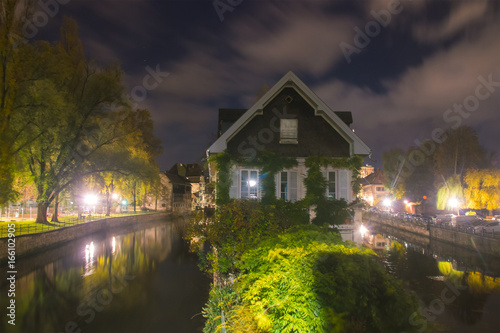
(29, 226)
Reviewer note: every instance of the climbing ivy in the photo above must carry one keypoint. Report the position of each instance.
(270, 164)
(328, 211)
(316, 183)
(223, 166)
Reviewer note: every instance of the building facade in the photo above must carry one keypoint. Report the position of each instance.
(288, 121)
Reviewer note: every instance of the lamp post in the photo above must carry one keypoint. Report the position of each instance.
(453, 203)
(387, 203)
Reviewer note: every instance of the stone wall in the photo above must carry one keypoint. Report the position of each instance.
(32, 243)
(399, 224)
(473, 242)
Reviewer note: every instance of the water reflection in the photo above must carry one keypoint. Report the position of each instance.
(100, 285)
(452, 299)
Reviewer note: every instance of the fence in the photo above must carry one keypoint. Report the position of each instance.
(469, 230)
(426, 223)
(23, 228)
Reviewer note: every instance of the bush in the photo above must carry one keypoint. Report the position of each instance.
(307, 280)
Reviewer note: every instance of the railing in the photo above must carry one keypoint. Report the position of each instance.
(469, 230)
(426, 223)
(30, 227)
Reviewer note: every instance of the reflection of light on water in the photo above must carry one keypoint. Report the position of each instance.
(113, 245)
(477, 282)
(89, 259)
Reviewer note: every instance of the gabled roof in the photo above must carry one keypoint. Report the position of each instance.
(358, 147)
(227, 117)
(375, 178)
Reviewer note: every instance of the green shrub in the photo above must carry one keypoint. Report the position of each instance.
(307, 280)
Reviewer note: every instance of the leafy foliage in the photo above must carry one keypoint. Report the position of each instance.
(452, 188)
(482, 189)
(306, 280)
(239, 225)
(72, 121)
(223, 166)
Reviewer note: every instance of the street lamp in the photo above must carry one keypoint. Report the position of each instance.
(387, 203)
(91, 200)
(454, 203)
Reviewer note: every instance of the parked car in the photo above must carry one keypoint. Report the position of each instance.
(484, 225)
(492, 227)
(443, 219)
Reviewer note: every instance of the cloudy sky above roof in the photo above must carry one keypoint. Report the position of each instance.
(404, 75)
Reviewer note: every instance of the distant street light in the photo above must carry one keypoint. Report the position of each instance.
(91, 199)
(387, 202)
(454, 203)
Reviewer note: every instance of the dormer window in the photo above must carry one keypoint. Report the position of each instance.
(288, 131)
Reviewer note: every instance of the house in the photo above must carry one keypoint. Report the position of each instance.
(367, 170)
(288, 121)
(179, 192)
(194, 174)
(373, 187)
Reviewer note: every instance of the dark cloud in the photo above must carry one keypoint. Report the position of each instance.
(398, 87)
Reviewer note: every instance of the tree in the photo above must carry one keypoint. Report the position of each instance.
(482, 189)
(13, 13)
(452, 188)
(459, 151)
(394, 164)
(72, 128)
(420, 182)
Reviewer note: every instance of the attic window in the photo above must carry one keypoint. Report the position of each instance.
(288, 131)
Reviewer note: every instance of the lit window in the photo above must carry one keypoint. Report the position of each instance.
(249, 184)
(288, 130)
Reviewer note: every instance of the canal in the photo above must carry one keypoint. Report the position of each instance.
(458, 289)
(135, 279)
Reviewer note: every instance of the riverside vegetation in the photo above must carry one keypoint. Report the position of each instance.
(276, 272)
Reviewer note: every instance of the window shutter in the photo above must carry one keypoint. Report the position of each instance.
(233, 190)
(325, 176)
(277, 184)
(344, 185)
(289, 128)
(292, 178)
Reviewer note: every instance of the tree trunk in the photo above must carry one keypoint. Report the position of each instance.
(56, 209)
(41, 215)
(108, 204)
(134, 196)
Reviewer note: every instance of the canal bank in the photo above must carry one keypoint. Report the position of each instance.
(134, 278)
(424, 234)
(33, 243)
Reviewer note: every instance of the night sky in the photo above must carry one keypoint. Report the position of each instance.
(404, 76)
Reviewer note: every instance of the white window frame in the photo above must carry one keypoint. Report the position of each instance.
(289, 129)
(292, 190)
(249, 193)
(335, 182)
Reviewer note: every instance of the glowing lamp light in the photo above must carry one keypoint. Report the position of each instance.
(406, 202)
(124, 202)
(387, 202)
(363, 230)
(91, 199)
(252, 183)
(453, 202)
(115, 196)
